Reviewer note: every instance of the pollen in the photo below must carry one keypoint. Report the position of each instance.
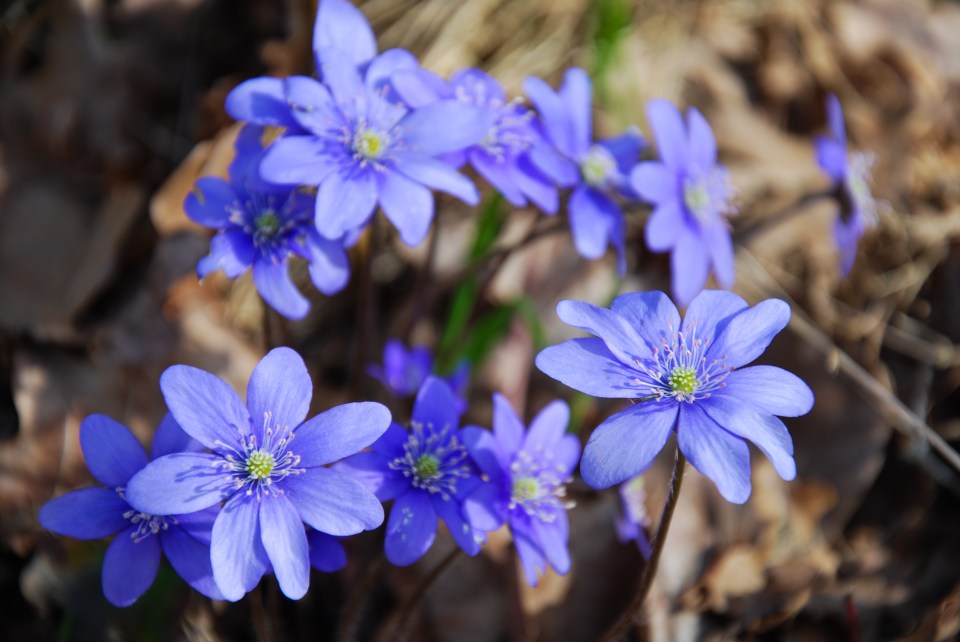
(683, 381)
(524, 489)
(427, 466)
(267, 224)
(369, 144)
(597, 166)
(260, 464)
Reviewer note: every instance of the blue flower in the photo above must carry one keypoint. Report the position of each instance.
(263, 225)
(426, 471)
(597, 171)
(130, 565)
(501, 156)
(267, 465)
(404, 371)
(326, 552)
(528, 473)
(851, 173)
(689, 377)
(692, 197)
(632, 518)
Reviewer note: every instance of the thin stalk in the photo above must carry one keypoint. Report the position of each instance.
(410, 607)
(358, 599)
(257, 613)
(629, 616)
(423, 284)
(780, 216)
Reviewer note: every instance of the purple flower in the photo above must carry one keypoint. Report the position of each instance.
(692, 197)
(632, 520)
(597, 171)
(404, 371)
(689, 377)
(851, 173)
(263, 225)
(528, 473)
(266, 464)
(501, 156)
(426, 471)
(130, 565)
(326, 552)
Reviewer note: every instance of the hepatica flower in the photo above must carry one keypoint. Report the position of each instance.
(427, 471)
(851, 173)
(596, 170)
(266, 464)
(263, 225)
(692, 197)
(130, 565)
(528, 473)
(501, 155)
(632, 519)
(404, 371)
(689, 377)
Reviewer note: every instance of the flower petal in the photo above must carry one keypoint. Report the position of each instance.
(593, 216)
(236, 552)
(411, 528)
(689, 267)
(285, 542)
(576, 92)
(467, 538)
(437, 175)
(170, 438)
(312, 105)
(298, 160)
(835, 117)
(408, 205)
(341, 25)
(655, 182)
(88, 513)
(719, 455)
(703, 145)
(709, 313)
(664, 227)
(382, 68)
(435, 404)
(486, 507)
(499, 172)
(230, 251)
(273, 282)
(771, 389)
(554, 115)
(748, 334)
(419, 87)
(669, 132)
(329, 264)
(652, 314)
(831, 156)
(345, 202)
(531, 556)
(766, 431)
(548, 428)
(332, 502)
(588, 365)
(444, 126)
(190, 558)
(180, 483)
(341, 76)
(205, 406)
(326, 552)
(199, 525)
(279, 391)
(485, 450)
(716, 237)
(618, 335)
(536, 186)
(552, 542)
(340, 432)
(627, 443)
(625, 148)
(112, 453)
(507, 427)
(210, 202)
(390, 444)
(129, 567)
(260, 101)
(371, 470)
(558, 168)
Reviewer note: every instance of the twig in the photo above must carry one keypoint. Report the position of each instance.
(618, 630)
(358, 599)
(409, 607)
(257, 613)
(423, 284)
(744, 236)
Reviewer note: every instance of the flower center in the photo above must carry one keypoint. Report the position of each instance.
(267, 224)
(709, 195)
(524, 488)
(598, 166)
(433, 459)
(859, 169)
(369, 144)
(260, 464)
(427, 466)
(146, 524)
(683, 380)
(538, 485)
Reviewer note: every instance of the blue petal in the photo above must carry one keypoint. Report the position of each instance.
(555, 116)
(716, 236)
(486, 452)
(577, 94)
(748, 334)
(260, 101)
(205, 406)
(381, 70)
(763, 429)
(709, 313)
(88, 513)
(664, 226)
(831, 156)
(342, 78)
(273, 282)
(408, 205)
(486, 507)
(588, 366)
(548, 428)
(298, 160)
(211, 202)
(312, 106)
(345, 202)
(231, 251)
(703, 144)
(716, 453)
(371, 470)
(559, 169)
(467, 538)
(689, 267)
(652, 314)
(531, 557)
(437, 175)
(190, 558)
(436, 404)
(499, 172)
(411, 528)
(329, 264)
(340, 432)
(170, 438)
(770, 389)
(236, 553)
(129, 567)
(507, 427)
(199, 525)
(655, 183)
(420, 87)
(627, 443)
(669, 132)
(552, 542)
(279, 391)
(285, 542)
(180, 483)
(326, 552)
(390, 444)
(112, 453)
(625, 148)
(536, 186)
(619, 336)
(593, 218)
(332, 502)
(835, 117)
(340, 25)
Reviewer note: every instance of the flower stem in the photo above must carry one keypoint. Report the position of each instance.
(650, 570)
(358, 599)
(409, 607)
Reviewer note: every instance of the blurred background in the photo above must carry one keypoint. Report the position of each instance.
(110, 109)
